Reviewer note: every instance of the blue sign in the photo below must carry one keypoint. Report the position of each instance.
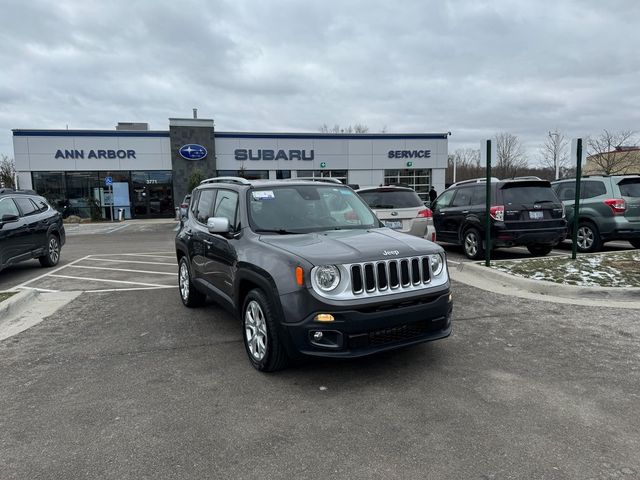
(108, 181)
(192, 151)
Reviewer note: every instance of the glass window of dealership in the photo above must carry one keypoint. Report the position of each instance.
(71, 168)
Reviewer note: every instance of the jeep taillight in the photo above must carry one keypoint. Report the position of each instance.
(497, 213)
(618, 205)
(426, 213)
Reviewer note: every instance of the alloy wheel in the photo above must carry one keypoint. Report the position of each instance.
(471, 244)
(54, 250)
(586, 237)
(255, 328)
(184, 281)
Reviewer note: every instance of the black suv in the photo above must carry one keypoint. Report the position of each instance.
(524, 211)
(310, 270)
(29, 228)
(609, 209)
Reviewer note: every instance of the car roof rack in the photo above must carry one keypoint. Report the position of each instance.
(474, 180)
(316, 179)
(525, 177)
(236, 180)
(11, 190)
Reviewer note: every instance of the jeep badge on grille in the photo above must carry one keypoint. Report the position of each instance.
(390, 252)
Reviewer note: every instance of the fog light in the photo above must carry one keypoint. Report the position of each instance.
(317, 336)
(324, 317)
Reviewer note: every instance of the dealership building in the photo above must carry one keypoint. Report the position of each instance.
(146, 172)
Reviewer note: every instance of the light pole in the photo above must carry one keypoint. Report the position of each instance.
(554, 145)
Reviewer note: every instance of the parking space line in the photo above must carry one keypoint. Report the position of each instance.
(52, 272)
(117, 228)
(157, 256)
(128, 289)
(453, 261)
(124, 270)
(133, 254)
(46, 290)
(132, 261)
(88, 279)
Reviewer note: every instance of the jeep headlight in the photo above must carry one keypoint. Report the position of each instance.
(437, 264)
(327, 277)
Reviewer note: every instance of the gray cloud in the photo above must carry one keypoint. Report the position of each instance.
(468, 66)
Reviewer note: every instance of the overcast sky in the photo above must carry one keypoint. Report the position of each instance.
(470, 67)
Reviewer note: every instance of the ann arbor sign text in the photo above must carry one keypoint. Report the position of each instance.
(95, 154)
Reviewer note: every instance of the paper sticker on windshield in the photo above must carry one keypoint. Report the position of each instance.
(263, 195)
(344, 191)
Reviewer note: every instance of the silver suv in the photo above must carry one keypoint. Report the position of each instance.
(401, 209)
(609, 209)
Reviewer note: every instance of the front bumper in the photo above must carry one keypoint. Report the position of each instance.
(364, 329)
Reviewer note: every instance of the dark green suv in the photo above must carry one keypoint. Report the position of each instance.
(609, 209)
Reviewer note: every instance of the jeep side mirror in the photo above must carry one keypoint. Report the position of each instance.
(218, 225)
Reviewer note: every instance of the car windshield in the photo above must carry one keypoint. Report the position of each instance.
(527, 195)
(307, 208)
(388, 198)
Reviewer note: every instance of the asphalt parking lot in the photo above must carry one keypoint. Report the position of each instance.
(125, 382)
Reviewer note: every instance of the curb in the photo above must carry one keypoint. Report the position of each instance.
(15, 302)
(627, 295)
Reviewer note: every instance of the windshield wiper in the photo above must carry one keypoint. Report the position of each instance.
(383, 206)
(279, 231)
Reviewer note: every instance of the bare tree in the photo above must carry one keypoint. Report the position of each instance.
(509, 156)
(554, 152)
(357, 128)
(465, 162)
(7, 172)
(612, 153)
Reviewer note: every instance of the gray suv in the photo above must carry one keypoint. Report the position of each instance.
(309, 270)
(609, 209)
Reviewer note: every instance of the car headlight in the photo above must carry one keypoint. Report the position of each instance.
(327, 277)
(437, 264)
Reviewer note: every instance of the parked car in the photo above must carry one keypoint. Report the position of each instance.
(609, 209)
(29, 228)
(309, 270)
(184, 205)
(524, 212)
(401, 209)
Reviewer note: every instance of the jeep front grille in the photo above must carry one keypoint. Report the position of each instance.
(395, 275)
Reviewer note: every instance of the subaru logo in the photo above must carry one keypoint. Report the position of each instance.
(537, 206)
(390, 252)
(395, 214)
(192, 151)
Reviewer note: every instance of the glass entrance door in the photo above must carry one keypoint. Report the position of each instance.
(152, 194)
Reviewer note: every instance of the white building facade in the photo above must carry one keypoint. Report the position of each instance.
(147, 172)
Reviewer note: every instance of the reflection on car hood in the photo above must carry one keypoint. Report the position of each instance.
(348, 246)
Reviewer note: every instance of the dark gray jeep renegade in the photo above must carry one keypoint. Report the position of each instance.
(310, 270)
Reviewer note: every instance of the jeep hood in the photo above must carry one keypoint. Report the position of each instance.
(349, 246)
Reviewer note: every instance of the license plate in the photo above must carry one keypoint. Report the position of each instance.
(395, 224)
(537, 215)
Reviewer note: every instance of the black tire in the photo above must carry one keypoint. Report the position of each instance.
(539, 250)
(588, 239)
(635, 243)
(260, 333)
(190, 296)
(472, 244)
(52, 255)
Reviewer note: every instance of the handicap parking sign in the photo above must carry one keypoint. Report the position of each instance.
(108, 181)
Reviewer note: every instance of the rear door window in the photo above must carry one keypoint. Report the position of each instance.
(27, 207)
(566, 191)
(391, 199)
(462, 198)
(479, 195)
(630, 187)
(592, 188)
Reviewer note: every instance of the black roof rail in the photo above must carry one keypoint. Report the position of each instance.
(315, 179)
(236, 180)
(22, 192)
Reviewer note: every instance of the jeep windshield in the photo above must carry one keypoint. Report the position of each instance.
(292, 209)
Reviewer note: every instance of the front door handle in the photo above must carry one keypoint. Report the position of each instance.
(464, 212)
(208, 242)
